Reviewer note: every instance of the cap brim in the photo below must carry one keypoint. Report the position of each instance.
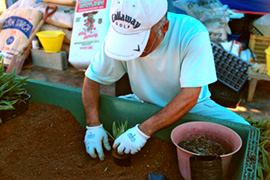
(125, 47)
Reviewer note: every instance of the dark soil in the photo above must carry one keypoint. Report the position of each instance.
(203, 146)
(46, 142)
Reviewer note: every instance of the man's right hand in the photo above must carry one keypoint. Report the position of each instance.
(94, 138)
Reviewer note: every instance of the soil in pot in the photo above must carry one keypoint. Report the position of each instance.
(207, 164)
(204, 147)
(46, 142)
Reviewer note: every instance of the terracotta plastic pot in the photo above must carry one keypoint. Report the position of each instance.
(212, 131)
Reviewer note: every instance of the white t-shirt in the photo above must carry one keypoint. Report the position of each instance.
(184, 58)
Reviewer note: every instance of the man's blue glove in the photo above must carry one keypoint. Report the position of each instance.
(94, 137)
(131, 141)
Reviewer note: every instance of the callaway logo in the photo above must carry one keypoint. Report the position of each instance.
(126, 18)
(137, 49)
(132, 137)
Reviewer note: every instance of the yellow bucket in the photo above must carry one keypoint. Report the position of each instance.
(267, 51)
(51, 40)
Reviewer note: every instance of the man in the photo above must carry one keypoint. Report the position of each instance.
(169, 61)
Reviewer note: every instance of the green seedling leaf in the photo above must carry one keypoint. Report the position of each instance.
(264, 138)
(261, 145)
(265, 162)
(266, 133)
(260, 172)
(51, 125)
(106, 169)
(267, 177)
(6, 107)
(2, 69)
(114, 129)
(11, 88)
(117, 129)
(5, 102)
(260, 123)
(266, 153)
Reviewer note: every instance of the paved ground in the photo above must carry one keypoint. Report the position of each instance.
(260, 105)
(258, 108)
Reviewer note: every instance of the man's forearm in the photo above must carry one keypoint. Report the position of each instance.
(90, 98)
(172, 112)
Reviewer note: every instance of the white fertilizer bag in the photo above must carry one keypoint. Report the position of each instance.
(91, 23)
(16, 31)
(63, 17)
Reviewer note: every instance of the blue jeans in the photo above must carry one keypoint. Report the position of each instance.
(207, 108)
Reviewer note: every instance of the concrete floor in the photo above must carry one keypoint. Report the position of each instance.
(70, 77)
(257, 109)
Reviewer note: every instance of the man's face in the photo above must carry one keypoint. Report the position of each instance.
(155, 39)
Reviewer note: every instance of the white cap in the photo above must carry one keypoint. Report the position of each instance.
(131, 23)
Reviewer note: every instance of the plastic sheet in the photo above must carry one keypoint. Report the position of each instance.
(262, 6)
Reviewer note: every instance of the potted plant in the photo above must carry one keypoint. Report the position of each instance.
(211, 131)
(13, 97)
(117, 130)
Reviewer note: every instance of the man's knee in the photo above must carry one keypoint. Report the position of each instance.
(210, 108)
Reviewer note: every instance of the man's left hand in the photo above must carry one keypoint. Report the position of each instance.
(131, 141)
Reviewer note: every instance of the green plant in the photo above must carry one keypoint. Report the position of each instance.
(263, 167)
(117, 129)
(11, 88)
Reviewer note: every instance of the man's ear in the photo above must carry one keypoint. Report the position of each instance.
(165, 27)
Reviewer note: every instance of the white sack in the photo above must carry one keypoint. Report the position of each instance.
(91, 24)
(63, 17)
(17, 29)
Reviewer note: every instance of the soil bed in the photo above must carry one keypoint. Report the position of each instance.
(46, 142)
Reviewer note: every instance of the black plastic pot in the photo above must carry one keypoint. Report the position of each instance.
(20, 107)
(121, 159)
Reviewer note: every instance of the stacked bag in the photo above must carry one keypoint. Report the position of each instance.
(85, 24)
(19, 20)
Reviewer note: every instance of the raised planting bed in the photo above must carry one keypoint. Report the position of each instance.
(244, 163)
(46, 142)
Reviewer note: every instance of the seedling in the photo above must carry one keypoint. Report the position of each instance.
(117, 130)
(263, 168)
(11, 89)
